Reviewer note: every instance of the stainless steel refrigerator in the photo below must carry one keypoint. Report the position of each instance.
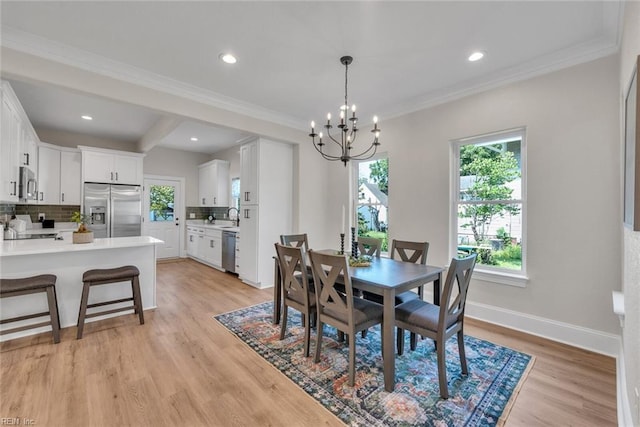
(115, 210)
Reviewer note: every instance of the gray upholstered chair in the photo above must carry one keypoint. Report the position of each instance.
(441, 322)
(369, 246)
(296, 291)
(340, 310)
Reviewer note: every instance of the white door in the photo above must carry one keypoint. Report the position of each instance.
(163, 206)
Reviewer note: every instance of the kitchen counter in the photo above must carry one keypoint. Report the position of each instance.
(68, 261)
(219, 225)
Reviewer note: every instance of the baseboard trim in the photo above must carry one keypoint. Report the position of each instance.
(577, 336)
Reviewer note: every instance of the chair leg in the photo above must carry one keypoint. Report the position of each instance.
(340, 336)
(400, 341)
(413, 341)
(316, 359)
(442, 371)
(283, 320)
(307, 335)
(83, 309)
(137, 298)
(463, 357)
(53, 313)
(364, 333)
(352, 361)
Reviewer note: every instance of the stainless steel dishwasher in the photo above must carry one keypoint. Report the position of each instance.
(229, 251)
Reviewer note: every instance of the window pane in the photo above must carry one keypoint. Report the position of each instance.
(490, 172)
(161, 202)
(373, 191)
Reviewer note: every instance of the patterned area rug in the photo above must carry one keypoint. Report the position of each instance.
(483, 398)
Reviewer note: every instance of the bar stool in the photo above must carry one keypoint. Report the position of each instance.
(32, 285)
(102, 277)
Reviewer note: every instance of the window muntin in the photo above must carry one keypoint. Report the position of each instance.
(488, 201)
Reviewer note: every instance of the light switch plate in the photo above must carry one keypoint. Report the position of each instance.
(41, 217)
(192, 215)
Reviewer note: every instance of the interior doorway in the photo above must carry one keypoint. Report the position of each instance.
(163, 213)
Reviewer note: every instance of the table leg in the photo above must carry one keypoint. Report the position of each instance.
(436, 289)
(388, 339)
(277, 291)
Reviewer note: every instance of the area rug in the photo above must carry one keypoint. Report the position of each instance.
(481, 398)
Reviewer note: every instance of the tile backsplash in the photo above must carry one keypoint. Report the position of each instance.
(59, 213)
(204, 212)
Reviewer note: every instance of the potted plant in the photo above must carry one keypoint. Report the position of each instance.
(82, 234)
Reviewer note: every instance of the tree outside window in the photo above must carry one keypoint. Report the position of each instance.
(489, 201)
(373, 192)
(161, 202)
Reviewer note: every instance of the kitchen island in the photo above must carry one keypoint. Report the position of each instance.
(68, 261)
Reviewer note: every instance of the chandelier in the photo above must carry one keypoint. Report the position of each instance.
(348, 131)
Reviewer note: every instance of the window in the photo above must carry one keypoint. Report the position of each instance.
(489, 204)
(161, 199)
(372, 199)
(235, 193)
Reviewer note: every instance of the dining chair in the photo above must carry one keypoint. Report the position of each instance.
(406, 251)
(296, 292)
(369, 246)
(441, 322)
(340, 310)
(295, 240)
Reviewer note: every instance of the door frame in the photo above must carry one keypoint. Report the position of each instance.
(179, 206)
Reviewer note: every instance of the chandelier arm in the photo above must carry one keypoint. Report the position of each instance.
(325, 155)
(359, 156)
(333, 139)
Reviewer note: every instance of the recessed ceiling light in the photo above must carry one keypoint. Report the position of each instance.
(85, 117)
(228, 58)
(194, 139)
(475, 56)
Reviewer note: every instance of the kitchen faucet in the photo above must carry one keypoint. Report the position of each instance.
(237, 220)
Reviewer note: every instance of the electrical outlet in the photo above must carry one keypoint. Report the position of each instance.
(192, 215)
(41, 217)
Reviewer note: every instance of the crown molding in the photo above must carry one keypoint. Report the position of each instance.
(44, 48)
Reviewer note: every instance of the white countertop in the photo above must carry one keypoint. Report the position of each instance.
(43, 246)
(223, 225)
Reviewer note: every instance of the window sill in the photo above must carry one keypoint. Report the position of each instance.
(501, 278)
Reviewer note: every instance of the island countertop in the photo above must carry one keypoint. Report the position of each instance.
(68, 262)
(49, 246)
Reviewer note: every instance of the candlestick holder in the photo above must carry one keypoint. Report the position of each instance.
(354, 243)
(341, 243)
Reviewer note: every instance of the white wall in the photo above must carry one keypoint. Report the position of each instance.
(630, 49)
(176, 163)
(573, 169)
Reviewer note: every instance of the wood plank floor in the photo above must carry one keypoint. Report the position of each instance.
(183, 368)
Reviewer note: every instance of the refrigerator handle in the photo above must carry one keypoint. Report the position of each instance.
(109, 217)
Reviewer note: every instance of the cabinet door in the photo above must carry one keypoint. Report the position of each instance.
(97, 167)
(127, 170)
(249, 233)
(49, 176)
(249, 174)
(205, 191)
(9, 161)
(70, 177)
(29, 149)
(201, 250)
(192, 243)
(221, 184)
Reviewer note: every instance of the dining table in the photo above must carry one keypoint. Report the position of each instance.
(385, 277)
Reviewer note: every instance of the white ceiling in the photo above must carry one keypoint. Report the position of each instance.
(407, 55)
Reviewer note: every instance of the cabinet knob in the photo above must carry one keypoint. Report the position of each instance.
(42, 196)
(116, 176)
(62, 195)
(26, 161)
(111, 176)
(15, 193)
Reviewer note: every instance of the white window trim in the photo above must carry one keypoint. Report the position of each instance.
(484, 272)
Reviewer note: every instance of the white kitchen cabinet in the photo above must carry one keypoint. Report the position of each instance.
(109, 166)
(59, 176)
(249, 173)
(212, 247)
(9, 162)
(18, 142)
(192, 240)
(70, 177)
(265, 212)
(49, 176)
(213, 183)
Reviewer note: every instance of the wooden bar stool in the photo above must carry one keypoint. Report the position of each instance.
(102, 277)
(32, 285)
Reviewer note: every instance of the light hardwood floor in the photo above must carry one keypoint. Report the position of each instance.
(183, 368)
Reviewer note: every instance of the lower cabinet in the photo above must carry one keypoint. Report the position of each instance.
(205, 245)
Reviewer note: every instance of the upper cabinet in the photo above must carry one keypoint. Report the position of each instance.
(18, 144)
(213, 183)
(59, 172)
(110, 166)
(249, 173)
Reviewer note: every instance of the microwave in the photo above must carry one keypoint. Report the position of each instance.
(27, 184)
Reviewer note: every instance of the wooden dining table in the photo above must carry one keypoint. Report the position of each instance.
(385, 277)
